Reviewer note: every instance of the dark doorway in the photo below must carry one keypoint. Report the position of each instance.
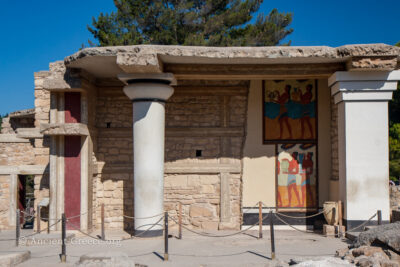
(26, 200)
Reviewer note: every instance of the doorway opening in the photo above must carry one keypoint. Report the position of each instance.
(26, 200)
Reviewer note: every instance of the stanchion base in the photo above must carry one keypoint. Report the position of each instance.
(63, 258)
(150, 233)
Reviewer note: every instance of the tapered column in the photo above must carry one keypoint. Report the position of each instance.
(362, 99)
(148, 95)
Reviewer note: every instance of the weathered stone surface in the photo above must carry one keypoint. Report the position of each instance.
(200, 210)
(320, 262)
(395, 198)
(368, 251)
(230, 52)
(64, 129)
(105, 259)
(387, 234)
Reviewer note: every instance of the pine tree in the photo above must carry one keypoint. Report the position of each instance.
(196, 22)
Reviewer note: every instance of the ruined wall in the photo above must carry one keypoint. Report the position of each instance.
(4, 201)
(41, 145)
(201, 117)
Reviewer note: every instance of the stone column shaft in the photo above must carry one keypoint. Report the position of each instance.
(148, 96)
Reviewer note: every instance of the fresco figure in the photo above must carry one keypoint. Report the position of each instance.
(280, 203)
(307, 111)
(283, 99)
(308, 170)
(292, 175)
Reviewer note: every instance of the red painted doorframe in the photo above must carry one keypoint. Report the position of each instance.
(72, 162)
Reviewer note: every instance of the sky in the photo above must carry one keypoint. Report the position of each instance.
(34, 33)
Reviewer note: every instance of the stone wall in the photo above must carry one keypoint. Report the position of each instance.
(201, 116)
(41, 145)
(10, 125)
(4, 201)
(334, 140)
(394, 197)
(14, 154)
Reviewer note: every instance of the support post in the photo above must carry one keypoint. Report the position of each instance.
(271, 229)
(148, 93)
(17, 227)
(260, 220)
(166, 236)
(63, 255)
(180, 220)
(379, 212)
(103, 234)
(38, 218)
(340, 218)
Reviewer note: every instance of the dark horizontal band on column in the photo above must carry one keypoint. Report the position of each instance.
(150, 233)
(131, 81)
(148, 100)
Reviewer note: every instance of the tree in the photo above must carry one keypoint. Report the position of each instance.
(190, 22)
(394, 134)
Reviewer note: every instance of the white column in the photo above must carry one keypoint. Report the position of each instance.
(362, 99)
(148, 95)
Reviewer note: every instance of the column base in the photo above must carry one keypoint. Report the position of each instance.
(150, 233)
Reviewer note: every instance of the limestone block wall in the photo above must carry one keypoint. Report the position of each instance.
(4, 201)
(9, 125)
(113, 185)
(14, 154)
(394, 197)
(205, 123)
(41, 145)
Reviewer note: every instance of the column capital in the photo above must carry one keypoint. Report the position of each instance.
(148, 86)
(363, 85)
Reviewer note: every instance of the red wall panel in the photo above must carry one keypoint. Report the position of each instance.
(72, 107)
(72, 187)
(72, 158)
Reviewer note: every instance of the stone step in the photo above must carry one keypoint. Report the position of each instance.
(352, 235)
(14, 258)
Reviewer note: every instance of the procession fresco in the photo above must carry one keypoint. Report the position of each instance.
(289, 110)
(296, 176)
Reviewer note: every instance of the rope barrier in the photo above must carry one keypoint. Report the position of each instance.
(30, 235)
(295, 228)
(212, 235)
(308, 232)
(79, 230)
(142, 218)
(142, 233)
(303, 217)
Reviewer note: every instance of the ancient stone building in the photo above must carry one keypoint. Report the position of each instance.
(143, 128)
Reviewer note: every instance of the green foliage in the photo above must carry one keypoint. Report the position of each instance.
(190, 22)
(394, 136)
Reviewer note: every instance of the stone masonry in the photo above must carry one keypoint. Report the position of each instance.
(190, 115)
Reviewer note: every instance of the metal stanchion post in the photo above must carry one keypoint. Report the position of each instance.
(17, 228)
(340, 218)
(180, 220)
(271, 229)
(103, 234)
(260, 220)
(379, 212)
(63, 255)
(38, 219)
(166, 236)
